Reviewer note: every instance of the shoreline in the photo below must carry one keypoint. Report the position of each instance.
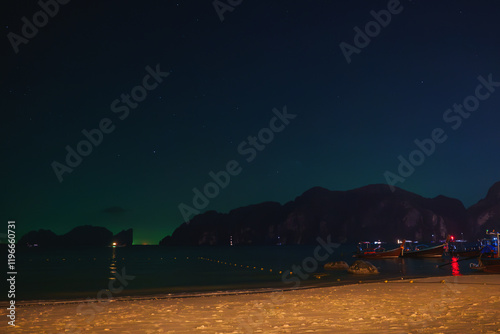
(209, 291)
(469, 303)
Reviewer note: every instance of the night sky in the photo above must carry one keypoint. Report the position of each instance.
(219, 82)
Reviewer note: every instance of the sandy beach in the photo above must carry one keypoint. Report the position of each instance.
(463, 304)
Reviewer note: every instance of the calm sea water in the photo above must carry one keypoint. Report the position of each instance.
(74, 274)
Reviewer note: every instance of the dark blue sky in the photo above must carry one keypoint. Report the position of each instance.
(352, 120)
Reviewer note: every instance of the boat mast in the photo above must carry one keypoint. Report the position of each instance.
(498, 244)
(496, 235)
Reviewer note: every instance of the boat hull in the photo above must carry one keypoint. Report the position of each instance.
(431, 252)
(473, 253)
(390, 254)
(490, 265)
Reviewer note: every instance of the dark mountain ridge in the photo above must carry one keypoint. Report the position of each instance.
(80, 236)
(368, 213)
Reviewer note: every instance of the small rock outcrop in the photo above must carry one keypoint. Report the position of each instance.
(80, 236)
(124, 238)
(40, 238)
(361, 267)
(339, 265)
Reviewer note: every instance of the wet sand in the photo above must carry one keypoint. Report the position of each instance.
(463, 304)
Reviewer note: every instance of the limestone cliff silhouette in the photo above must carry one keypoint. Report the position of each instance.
(369, 213)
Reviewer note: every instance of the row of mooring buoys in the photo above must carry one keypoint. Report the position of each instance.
(95, 259)
(242, 265)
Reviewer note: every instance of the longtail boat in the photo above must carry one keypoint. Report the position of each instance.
(368, 250)
(457, 248)
(424, 251)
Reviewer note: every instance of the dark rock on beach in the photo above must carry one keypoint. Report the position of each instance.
(339, 265)
(361, 267)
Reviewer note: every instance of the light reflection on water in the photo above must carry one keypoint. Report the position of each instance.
(112, 266)
(455, 267)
